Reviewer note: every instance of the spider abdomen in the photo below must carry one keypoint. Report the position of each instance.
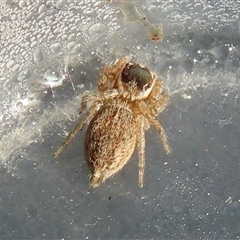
(110, 141)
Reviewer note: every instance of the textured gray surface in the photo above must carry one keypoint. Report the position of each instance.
(191, 194)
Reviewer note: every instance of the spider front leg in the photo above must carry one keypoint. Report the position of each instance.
(158, 126)
(163, 136)
(88, 97)
(141, 149)
(88, 116)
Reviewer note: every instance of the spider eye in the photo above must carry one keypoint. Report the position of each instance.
(134, 73)
(148, 85)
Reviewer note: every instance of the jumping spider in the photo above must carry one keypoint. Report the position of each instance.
(129, 99)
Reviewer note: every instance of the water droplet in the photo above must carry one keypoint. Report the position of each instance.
(13, 17)
(24, 75)
(42, 9)
(64, 37)
(22, 3)
(3, 51)
(56, 47)
(51, 75)
(5, 117)
(33, 124)
(83, 73)
(15, 67)
(77, 48)
(97, 29)
(10, 63)
(52, 78)
(210, 17)
(19, 105)
(38, 55)
(71, 45)
(60, 4)
(81, 86)
(23, 94)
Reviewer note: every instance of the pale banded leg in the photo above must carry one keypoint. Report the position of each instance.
(158, 126)
(163, 136)
(141, 150)
(88, 97)
(88, 116)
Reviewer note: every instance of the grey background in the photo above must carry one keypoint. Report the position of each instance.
(191, 194)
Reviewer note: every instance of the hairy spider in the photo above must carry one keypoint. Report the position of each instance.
(129, 99)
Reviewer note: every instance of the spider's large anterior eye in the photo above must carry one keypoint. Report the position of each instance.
(148, 85)
(134, 73)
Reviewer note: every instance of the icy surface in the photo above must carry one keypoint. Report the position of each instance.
(51, 52)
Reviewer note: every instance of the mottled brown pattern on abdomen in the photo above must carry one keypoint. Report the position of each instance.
(110, 141)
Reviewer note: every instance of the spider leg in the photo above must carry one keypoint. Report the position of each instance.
(88, 116)
(141, 150)
(163, 136)
(163, 102)
(158, 98)
(87, 97)
(158, 126)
